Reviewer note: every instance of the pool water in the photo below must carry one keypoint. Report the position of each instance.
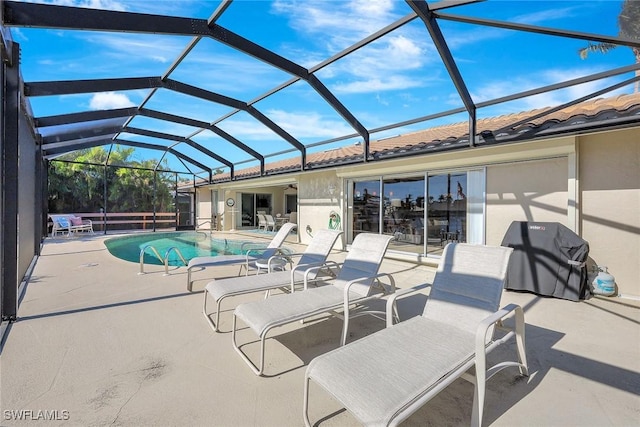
(191, 244)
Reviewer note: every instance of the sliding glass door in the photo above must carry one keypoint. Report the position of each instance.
(403, 213)
(366, 207)
(422, 212)
(252, 204)
(446, 210)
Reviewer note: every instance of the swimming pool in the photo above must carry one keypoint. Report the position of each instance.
(190, 244)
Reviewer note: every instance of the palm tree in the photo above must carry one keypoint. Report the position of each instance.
(629, 27)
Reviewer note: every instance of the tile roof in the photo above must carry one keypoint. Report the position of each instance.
(592, 114)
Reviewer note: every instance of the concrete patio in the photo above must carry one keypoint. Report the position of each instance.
(101, 345)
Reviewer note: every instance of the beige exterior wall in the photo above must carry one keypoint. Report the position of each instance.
(232, 218)
(610, 201)
(591, 184)
(525, 191)
(315, 202)
(204, 208)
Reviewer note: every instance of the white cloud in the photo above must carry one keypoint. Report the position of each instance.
(383, 65)
(337, 21)
(299, 124)
(142, 47)
(309, 124)
(497, 89)
(545, 16)
(377, 84)
(108, 100)
(381, 100)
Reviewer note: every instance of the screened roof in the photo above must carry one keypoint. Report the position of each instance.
(217, 87)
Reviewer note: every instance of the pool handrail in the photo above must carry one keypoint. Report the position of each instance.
(166, 259)
(142, 252)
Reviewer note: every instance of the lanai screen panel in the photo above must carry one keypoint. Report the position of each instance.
(366, 70)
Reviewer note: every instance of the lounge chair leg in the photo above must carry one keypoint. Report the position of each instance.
(189, 283)
(479, 390)
(520, 342)
(256, 370)
(345, 327)
(214, 325)
(305, 403)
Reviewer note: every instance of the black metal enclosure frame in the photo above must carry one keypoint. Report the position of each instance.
(31, 15)
(25, 152)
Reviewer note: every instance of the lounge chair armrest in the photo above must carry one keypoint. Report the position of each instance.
(391, 302)
(489, 321)
(288, 257)
(274, 261)
(248, 246)
(350, 283)
(309, 266)
(256, 251)
(308, 271)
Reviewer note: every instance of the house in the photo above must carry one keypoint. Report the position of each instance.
(579, 166)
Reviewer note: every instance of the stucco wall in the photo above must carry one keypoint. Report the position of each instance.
(610, 199)
(525, 191)
(204, 208)
(519, 188)
(315, 202)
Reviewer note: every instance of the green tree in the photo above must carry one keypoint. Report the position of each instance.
(628, 27)
(77, 184)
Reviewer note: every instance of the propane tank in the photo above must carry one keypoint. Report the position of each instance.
(604, 283)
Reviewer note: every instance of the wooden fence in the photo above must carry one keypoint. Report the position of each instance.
(130, 220)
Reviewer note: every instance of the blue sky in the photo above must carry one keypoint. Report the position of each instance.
(397, 78)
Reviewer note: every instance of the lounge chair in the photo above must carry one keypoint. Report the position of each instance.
(385, 377)
(247, 259)
(262, 222)
(356, 281)
(271, 222)
(314, 256)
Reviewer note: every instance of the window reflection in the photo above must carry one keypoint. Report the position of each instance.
(366, 207)
(399, 207)
(404, 212)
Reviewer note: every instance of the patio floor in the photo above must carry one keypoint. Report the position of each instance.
(102, 345)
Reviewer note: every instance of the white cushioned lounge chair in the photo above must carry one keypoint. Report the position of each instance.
(262, 222)
(251, 253)
(385, 377)
(356, 281)
(315, 255)
(271, 222)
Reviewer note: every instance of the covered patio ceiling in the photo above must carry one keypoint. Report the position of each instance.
(215, 87)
